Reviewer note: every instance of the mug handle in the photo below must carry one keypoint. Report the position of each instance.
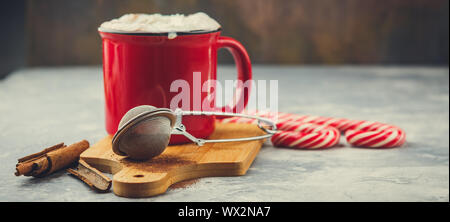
(244, 73)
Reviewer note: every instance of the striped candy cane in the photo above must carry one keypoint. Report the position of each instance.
(305, 136)
(314, 132)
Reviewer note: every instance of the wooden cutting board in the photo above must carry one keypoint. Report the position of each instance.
(177, 163)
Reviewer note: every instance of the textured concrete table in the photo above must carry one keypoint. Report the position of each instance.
(44, 106)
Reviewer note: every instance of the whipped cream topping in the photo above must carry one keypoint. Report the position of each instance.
(157, 23)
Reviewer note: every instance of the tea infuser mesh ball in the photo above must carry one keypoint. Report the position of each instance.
(144, 131)
(132, 113)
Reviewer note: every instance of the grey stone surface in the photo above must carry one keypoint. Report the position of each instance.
(44, 106)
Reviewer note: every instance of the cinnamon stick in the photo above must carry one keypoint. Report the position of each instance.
(50, 159)
(22, 169)
(91, 176)
(46, 150)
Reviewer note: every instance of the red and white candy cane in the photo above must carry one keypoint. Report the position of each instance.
(307, 136)
(313, 132)
(292, 134)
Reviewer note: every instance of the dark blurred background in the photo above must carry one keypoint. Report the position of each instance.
(413, 32)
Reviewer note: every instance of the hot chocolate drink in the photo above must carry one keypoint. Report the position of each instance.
(165, 61)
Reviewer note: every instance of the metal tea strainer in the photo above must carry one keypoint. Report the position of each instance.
(144, 131)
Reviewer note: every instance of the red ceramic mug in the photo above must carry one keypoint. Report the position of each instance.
(139, 68)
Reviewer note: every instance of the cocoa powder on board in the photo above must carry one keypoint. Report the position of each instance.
(162, 163)
(184, 184)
